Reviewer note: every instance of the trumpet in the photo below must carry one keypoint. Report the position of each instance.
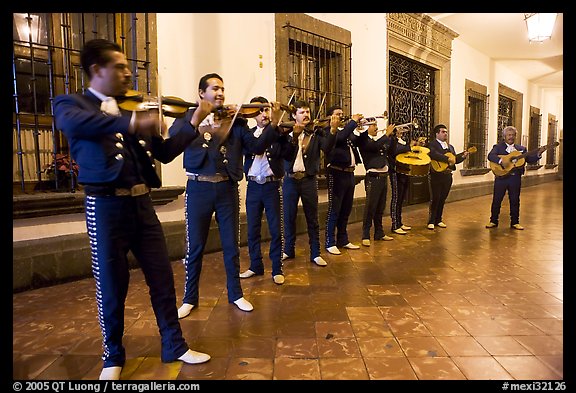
(405, 127)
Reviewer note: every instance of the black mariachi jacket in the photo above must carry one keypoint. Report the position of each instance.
(206, 157)
(374, 152)
(98, 141)
(275, 154)
(319, 141)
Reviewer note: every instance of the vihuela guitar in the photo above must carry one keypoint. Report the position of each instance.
(515, 159)
(416, 162)
(440, 166)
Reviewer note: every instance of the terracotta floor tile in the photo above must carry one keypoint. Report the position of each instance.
(461, 346)
(379, 347)
(297, 347)
(481, 368)
(337, 329)
(389, 368)
(346, 347)
(250, 369)
(502, 345)
(444, 327)
(527, 367)
(422, 347)
(296, 369)
(343, 369)
(541, 345)
(371, 328)
(408, 327)
(436, 368)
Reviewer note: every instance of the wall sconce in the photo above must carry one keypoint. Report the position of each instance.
(26, 24)
(540, 26)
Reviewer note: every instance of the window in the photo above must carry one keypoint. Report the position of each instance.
(476, 128)
(411, 88)
(312, 66)
(551, 158)
(534, 132)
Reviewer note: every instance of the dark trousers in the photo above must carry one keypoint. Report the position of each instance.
(376, 187)
(259, 198)
(440, 184)
(202, 200)
(340, 199)
(399, 183)
(307, 190)
(512, 184)
(117, 225)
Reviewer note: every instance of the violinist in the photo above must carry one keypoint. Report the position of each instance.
(264, 173)
(115, 151)
(213, 164)
(342, 161)
(301, 182)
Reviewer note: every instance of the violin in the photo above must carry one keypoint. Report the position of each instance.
(248, 111)
(171, 106)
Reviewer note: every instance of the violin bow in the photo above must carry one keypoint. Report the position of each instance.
(247, 91)
(284, 112)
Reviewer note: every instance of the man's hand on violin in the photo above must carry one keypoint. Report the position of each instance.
(275, 113)
(334, 123)
(149, 124)
(297, 130)
(204, 109)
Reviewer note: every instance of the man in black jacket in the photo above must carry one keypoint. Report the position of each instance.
(115, 151)
(264, 173)
(441, 182)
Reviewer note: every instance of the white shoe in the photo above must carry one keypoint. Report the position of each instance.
(405, 227)
(193, 357)
(285, 256)
(278, 279)
(110, 373)
(247, 274)
(400, 231)
(442, 225)
(334, 250)
(320, 261)
(351, 246)
(387, 238)
(184, 310)
(366, 242)
(430, 226)
(244, 304)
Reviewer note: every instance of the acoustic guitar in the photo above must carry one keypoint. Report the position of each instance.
(440, 166)
(416, 162)
(515, 159)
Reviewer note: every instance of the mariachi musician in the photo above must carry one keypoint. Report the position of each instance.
(301, 181)
(399, 182)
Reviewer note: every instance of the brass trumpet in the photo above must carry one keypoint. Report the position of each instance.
(405, 127)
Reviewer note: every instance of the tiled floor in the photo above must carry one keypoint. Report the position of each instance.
(463, 302)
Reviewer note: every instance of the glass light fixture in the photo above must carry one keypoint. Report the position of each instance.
(27, 25)
(540, 26)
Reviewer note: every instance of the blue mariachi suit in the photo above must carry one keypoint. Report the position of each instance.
(204, 198)
(375, 155)
(305, 188)
(440, 182)
(511, 182)
(399, 182)
(341, 184)
(110, 158)
(265, 194)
